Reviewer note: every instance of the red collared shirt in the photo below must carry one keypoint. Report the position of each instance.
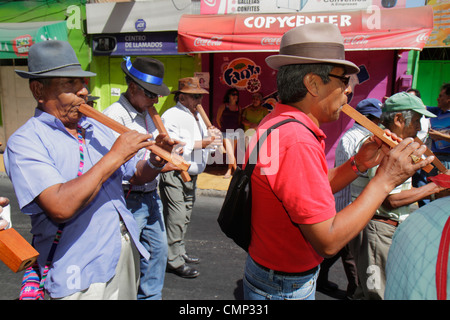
(289, 187)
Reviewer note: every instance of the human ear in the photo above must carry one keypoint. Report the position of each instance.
(399, 120)
(37, 89)
(310, 81)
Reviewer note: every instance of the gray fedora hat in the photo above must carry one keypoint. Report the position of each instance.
(312, 43)
(147, 73)
(53, 58)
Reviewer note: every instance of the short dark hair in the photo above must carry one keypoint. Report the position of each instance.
(416, 92)
(290, 80)
(446, 87)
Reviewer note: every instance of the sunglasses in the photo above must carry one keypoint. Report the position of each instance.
(149, 94)
(345, 80)
(196, 96)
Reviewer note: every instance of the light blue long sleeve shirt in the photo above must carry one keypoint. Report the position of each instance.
(41, 154)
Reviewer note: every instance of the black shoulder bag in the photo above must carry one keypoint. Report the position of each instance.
(235, 215)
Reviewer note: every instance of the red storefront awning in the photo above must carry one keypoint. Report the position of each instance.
(379, 29)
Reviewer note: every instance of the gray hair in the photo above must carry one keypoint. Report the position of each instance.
(387, 118)
(290, 80)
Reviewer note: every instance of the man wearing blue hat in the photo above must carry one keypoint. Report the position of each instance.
(347, 147)
(144, 77)
(401, 115)
(67, 172)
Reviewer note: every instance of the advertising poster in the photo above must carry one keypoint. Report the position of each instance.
(440, 36)
(282, 6)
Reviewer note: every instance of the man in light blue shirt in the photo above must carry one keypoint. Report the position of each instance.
(67, 169)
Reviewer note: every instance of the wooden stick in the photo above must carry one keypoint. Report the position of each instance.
(207, 122)
(376, 130)
(15, 251)
(439, 165)
(173, 158)
(160, 126)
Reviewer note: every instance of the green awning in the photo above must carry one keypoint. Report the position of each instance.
(16, 38)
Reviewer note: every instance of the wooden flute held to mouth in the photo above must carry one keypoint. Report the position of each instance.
(379, 132)
(173, 158)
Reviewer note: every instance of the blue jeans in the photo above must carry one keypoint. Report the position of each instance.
(147, 210)
(260, 284)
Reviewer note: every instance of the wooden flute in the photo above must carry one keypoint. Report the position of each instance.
(207, 122)
(379, 132)
(160, 126)
(173, 158)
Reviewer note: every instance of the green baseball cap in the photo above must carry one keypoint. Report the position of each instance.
(406, 101)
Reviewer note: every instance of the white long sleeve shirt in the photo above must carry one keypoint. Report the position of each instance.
(181, 125)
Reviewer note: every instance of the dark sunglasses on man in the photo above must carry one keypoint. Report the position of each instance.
(149, 94)
(345, 80)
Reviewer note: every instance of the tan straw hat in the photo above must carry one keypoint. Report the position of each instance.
(312, 43)
(190, 85)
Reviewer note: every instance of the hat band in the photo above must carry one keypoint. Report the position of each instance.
(325, 50)
(141, 75)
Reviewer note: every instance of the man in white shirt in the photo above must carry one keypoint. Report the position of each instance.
(183, 123)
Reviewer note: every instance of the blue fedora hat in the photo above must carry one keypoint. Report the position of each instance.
(53, 58)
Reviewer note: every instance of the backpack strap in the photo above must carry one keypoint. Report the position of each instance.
(255, 152)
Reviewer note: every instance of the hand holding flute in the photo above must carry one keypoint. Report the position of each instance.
(159, 149)
(214, 132)
(380, 133)
(160, 126)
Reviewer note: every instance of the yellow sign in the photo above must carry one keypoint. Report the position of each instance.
(440, 36)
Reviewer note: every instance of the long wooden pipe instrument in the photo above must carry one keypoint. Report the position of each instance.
(173, 158)
(207, 122)
(379, 132)
(160, 126)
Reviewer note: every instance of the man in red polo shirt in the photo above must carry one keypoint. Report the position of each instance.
(294, 222)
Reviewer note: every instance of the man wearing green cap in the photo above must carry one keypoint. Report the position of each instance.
(401, 114)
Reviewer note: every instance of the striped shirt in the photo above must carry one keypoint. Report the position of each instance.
(123, 112)
(347, 147)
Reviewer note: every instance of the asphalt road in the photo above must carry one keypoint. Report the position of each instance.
(221, 266)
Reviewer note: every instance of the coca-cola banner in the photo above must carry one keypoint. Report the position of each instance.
(373, 28)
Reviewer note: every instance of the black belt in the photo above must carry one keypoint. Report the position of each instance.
(128, 190)
(288, 274)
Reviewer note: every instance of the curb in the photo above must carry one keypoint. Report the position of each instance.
(211, 193)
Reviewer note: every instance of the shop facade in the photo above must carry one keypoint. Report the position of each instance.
(132, 29)
(234, 46)
(23, 23)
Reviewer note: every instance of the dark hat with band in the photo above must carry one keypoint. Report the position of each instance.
(147, 73)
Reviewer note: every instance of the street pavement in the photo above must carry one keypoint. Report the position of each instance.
(221, 266)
